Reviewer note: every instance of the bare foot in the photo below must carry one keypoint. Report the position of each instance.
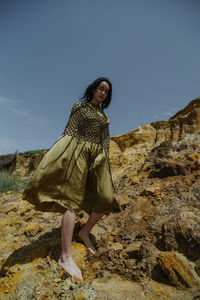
(70, 267)
(85, 238)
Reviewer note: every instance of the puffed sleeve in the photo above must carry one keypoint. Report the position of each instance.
(75, 108)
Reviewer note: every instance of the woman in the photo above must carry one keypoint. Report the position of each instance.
(74, 175)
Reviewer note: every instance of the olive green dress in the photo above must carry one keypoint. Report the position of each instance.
(75, 173)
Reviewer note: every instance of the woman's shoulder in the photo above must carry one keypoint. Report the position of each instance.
(79, 107)
(81, 104)
(77, 104)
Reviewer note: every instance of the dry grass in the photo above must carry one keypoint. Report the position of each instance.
(8, 182)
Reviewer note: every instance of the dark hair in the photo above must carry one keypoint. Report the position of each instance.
(89, 92)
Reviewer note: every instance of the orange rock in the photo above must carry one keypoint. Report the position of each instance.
(177, 270)
(32, 229)
(133, 250)
(116, 246)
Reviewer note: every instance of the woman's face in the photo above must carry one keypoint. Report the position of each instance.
(101, 92)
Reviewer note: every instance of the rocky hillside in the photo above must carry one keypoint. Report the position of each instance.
(148, 247)
(129, 151)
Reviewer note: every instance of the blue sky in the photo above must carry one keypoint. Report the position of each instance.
(50, 51)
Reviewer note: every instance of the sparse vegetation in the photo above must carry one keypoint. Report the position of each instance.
(35, 151)
(8, 182)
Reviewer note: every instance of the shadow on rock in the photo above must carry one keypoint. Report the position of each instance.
(48, 244)
(158, 275)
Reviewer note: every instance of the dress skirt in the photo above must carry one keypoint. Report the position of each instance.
(72, 175)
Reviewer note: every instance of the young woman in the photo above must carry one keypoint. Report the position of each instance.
(74, 175)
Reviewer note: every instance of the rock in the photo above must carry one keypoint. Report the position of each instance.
(197, 267)
(133, 250)
(150, 191)
(196, 193)
(26, 163)
(122, 201)
(132, 150)
(179, 273)
(165, 168)
(7, 162)
(79, 253)
(139, 177)
(116, 247)
(32, 229)
(182, 233)
(85, 294)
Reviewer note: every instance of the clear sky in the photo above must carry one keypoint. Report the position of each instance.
(50, 51)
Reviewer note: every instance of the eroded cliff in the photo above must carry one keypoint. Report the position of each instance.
(128, 151)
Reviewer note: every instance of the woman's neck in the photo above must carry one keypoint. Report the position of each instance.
(93, 101)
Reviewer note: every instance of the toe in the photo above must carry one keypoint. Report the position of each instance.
(92, 250)
(79, 276)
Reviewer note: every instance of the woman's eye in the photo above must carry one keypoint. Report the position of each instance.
(103, 90)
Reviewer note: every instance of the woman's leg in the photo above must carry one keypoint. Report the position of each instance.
(65, 260)
(84, 233)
